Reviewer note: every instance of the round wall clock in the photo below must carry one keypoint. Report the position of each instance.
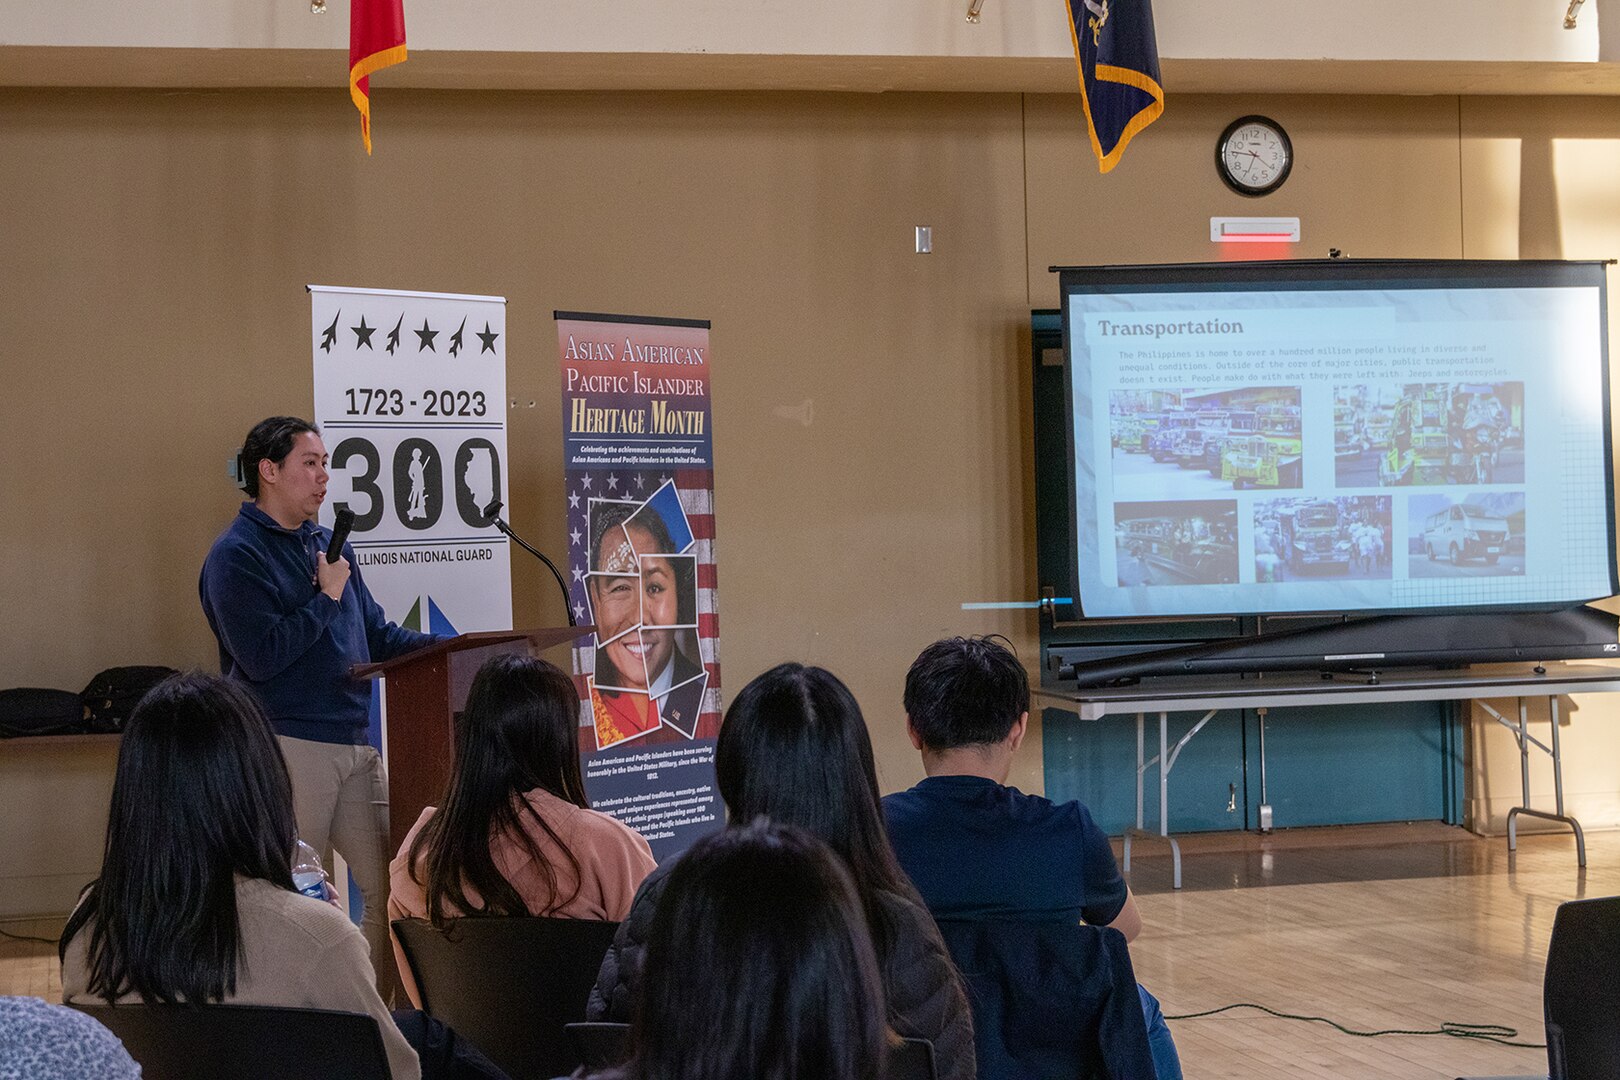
(1253, 155)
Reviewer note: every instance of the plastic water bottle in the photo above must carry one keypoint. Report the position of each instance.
(309, 877)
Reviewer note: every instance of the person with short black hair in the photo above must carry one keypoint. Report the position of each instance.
(271, 439)
(290, 625)
(794, 748)
(978, 849)
(758, 967)
(965, 692)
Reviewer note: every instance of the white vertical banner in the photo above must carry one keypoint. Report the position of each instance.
(410, 397)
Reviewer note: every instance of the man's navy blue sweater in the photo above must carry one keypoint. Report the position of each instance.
(290, 642)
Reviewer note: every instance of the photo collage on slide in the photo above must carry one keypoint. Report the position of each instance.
(1210, 472)
(641, 587)
(1467, 438)
(1175, 450)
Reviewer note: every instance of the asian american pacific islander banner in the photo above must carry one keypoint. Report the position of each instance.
(639, 478)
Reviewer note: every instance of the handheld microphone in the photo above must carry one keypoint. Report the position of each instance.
(340, 533)
(492, 512)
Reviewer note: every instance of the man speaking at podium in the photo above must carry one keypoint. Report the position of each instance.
(290, 625)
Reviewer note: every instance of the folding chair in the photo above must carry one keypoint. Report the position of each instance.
(509, 985)
(246, 1042)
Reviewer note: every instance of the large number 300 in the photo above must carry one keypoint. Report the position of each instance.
(418, 481)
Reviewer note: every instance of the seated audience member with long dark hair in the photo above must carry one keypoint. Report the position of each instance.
(195, 901)
(794, 748)
(516, 835)
(758, 967)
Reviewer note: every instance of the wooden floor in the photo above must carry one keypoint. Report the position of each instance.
(1375, 927)
(28, 968)
(1390, 926)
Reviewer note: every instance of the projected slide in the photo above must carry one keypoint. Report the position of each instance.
(1389, 445)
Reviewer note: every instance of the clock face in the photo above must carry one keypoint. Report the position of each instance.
(1254, 155)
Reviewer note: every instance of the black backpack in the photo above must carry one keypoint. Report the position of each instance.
(113, 694)
(30, 710)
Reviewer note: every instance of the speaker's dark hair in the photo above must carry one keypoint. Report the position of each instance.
(271, 439)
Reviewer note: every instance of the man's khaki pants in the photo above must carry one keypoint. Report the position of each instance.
(340, 797)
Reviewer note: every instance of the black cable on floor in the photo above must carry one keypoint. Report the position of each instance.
(26, 937)
(1496, 1033)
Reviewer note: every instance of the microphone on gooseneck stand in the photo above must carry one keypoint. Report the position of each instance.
(493, 511)
(340, 534)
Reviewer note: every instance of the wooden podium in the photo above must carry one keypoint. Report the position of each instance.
(425, 690)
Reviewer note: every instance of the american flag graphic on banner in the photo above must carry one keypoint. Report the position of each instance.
(639, 484)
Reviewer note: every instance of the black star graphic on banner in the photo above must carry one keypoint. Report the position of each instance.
(488, 339)
(362, 333)
(329, 335)
(455, 338)
(393, 335)
(426, 337)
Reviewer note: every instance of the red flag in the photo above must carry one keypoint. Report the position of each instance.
(376, 41)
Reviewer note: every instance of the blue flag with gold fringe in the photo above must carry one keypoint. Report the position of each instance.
(1119, 72)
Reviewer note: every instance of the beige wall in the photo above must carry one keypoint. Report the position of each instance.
(1539, 182)
(871, 405)
(53, 814)
(158, 245)
(1376, 177)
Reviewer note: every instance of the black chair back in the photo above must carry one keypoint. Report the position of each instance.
(1581, 993)
(509, 985)
(600, 1044)
(604, 1045)
(911, 1059)
(246, 1042)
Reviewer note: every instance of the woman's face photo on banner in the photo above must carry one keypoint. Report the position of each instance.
(642, 595)
(669, 591)
(669, 611)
